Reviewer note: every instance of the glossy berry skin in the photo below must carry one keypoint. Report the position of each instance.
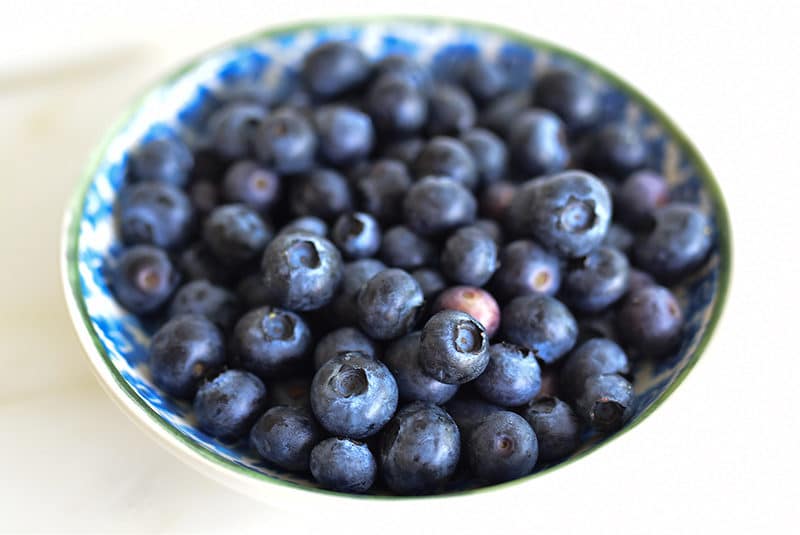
(232, 127)
(419, 449)
(343, 340)
(511, 378)
(285, 437)
(641, 194)
(413, 384)
(616, 149)
(301, 271)
(491, 228)
(403, 248)
(235, 234)
(469, 257)
(357, 235)
(345, 134)
(568, 213)
(396, 106)
(597, 280)
(476, 302)
(403, 150)
(389, 304)
(489, 153)
(537, 141)
(447, 156)
(227, 406)
(556, 427)
(286, 142)
(354, 275)
(484, 80)
(496, 198)
(405, 67)
(353, 395)
(501, 447)
(343, 465)
(651, 321)
(382, 189)
(143, 279)
(454, 347)
(154, 213)
(270, 342)
(248, 183)
(436, 205)
(606, 402)
(430, 281)
(183, 352)
(526, 269)
(597, 356)
(450, 111)
(308, 223)
(292, 392)
(498, 114)
(162, 159)
(540, 323)
(334, 68)
(467, 413)
(678, 243)
(205, 299)
(570, 96)
(322, 193)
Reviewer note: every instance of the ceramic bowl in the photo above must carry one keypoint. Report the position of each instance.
(116, 342)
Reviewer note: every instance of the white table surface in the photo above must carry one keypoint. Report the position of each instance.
(720, 456)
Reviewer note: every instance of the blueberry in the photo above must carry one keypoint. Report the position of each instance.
(286, 142)
(498, 114)
(619, 237)
(404, 249)
(606, 403)
(569, 213)
(227, 406)
(292, 392)
(454, 347)
(430, 281)
(413, 384)
(677, 245)
(403, 150)
(639, 279)
(616, 149)
(396, 106)
(271, 342)
(496, 198)
(345, 134)
(353, 395)
(526, 269)
(650, 319)
(501, 447)
(154, 213)
(469, 257)
(334, 68)
(343, 340)
(343, 465)
(485, 81)
(511, 378)
(249, 183)
(357, 235)
(597, 280)
(205, 299)
(322, 193)
(446, 156)
(476, 302)
(450, 111)
(197, 262)
(437, 205)
(405, 67)
(570, 96)
(232, 128)
(419, 449)
(389, 304)
(639, 196)
(491, 228)
(204, 196)
(467, 413)
(556, 426)
(597, 356)
(537, 141)
(252, 292)
(541, 324)
(235, 234)
(143, 279)
(489, 153)
(382, 189)
(162, 159)
(301, 271)
(285, 436)
(354, 276)
(183, 352)
(309, 223)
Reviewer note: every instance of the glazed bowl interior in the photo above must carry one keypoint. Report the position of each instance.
(116, 340)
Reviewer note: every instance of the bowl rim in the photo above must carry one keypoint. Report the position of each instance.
(239, 477)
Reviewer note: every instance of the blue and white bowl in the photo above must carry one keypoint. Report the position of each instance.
(116, 341)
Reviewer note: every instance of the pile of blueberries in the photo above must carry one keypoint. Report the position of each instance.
(394, 281)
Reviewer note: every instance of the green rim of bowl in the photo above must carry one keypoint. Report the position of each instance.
(76, 206)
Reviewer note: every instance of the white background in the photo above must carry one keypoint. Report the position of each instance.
(721, 456)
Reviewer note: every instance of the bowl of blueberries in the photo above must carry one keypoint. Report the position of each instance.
(393, 258)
